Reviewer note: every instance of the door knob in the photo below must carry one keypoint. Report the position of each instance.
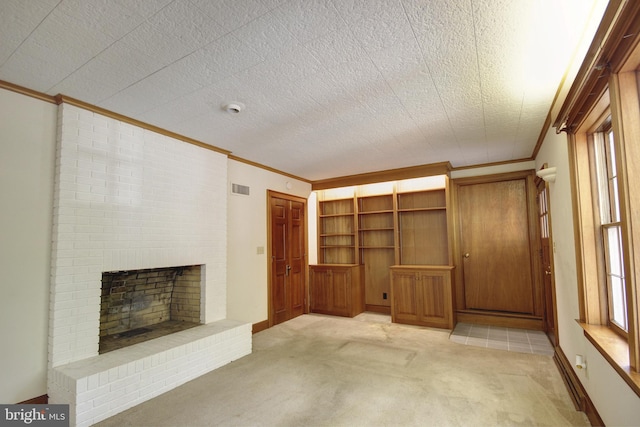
(547, 272)
(466, 255)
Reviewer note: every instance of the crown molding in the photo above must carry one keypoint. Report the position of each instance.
(267, 168)
(28, 92)
(63, 99)
(442, 168)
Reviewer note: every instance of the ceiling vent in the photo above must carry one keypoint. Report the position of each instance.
(240, 189)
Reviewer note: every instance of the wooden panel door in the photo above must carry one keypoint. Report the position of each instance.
(546, 260)
(496, 247)
(288, 258)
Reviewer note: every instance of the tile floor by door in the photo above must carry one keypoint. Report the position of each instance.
(510, 339)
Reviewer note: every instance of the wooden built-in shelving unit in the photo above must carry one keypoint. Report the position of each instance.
(422, 227)
(392, 227)
(337, 235)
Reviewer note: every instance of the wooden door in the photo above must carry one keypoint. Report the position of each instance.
(288, 256)
(546, 260)
(495, 243)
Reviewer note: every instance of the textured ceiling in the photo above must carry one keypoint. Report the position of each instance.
(331, 88)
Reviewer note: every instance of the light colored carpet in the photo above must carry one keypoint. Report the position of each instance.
(331, 371)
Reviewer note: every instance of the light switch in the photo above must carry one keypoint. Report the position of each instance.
(260, 250)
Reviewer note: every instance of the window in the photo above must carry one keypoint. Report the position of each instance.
(606, 187)
(601, 116)
(604, 170)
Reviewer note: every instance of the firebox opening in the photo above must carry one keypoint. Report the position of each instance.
(139, 305)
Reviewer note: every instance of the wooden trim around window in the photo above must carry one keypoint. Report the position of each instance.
(611, 48)
(625, 110)
(586, 237)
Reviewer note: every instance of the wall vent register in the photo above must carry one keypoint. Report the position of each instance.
(240, 189)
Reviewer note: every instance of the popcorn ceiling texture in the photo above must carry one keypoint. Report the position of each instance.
(395, 83)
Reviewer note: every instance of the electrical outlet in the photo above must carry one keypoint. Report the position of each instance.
(384, 295)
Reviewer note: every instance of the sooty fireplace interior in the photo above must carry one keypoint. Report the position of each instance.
(139, 305)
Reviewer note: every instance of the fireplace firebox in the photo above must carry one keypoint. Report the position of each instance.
(139, 305)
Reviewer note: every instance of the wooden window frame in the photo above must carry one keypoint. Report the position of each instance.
(606, 211)
(619, 348)
(608, 80)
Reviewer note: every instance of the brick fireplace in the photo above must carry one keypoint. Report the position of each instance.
(128, 199)
(139, 305)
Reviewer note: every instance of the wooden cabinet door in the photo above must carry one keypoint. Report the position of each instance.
(404, 298)
(336, 290)
(434, 295)
(340, 303)
(422, 296)
(320, 289)
(495, 241)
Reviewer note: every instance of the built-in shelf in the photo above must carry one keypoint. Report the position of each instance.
(382, 230)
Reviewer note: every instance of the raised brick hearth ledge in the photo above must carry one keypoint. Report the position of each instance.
(104, 385)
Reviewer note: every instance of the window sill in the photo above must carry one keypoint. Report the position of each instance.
(615, 350)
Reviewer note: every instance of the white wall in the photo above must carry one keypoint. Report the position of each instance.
(27, 153)
(616, 403)
(247, 231)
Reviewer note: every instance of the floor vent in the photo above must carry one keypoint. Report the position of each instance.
(240, 189)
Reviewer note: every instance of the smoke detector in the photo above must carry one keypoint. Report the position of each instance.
(233, 107)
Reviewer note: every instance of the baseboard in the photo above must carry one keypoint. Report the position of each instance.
(577, 392)
(260, 326)
(40, 400)
(506, 320)
(383, 309)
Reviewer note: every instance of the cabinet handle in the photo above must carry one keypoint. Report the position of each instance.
(466, 255)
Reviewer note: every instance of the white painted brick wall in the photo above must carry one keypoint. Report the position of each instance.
(128, 198)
